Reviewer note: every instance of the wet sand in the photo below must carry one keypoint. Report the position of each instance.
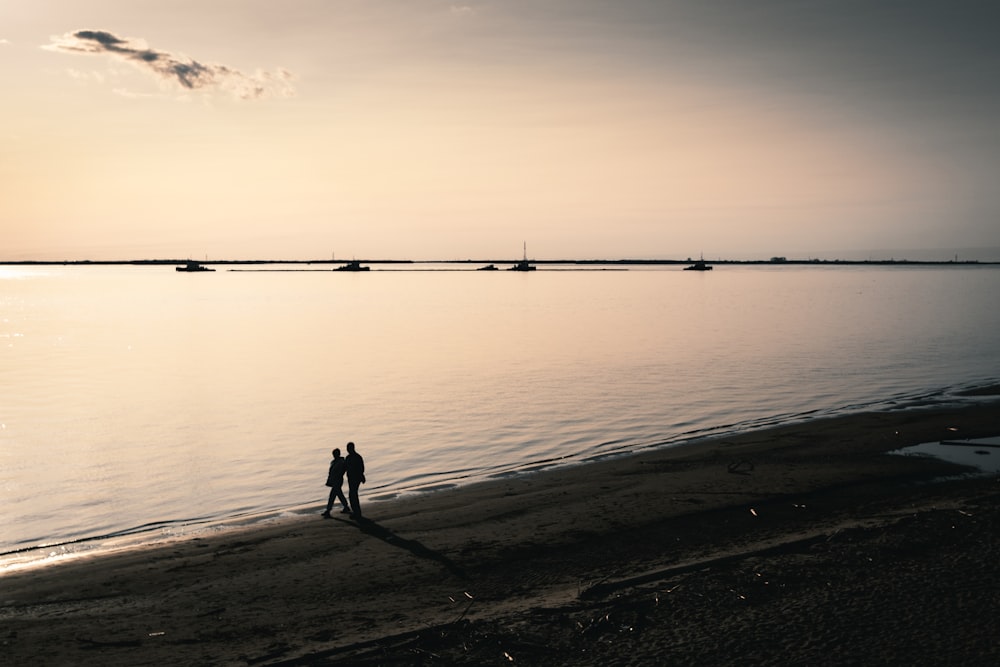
(805, 544)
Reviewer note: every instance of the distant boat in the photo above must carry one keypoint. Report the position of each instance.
(193, 267)
(352, 266)
(488, 267)
(523, 264)
(699, 265)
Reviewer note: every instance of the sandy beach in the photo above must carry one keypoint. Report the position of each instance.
(804, 544)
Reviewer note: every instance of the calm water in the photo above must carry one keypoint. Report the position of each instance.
(136, 400)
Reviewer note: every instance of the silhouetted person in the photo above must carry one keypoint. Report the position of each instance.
(335, 480)
(355, 478)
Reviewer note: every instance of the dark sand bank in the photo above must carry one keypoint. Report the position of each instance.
(804, 544)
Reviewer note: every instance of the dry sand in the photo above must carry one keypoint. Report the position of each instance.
(805, 544)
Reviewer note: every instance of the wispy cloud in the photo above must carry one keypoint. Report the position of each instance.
(174, 68)
(86, 76)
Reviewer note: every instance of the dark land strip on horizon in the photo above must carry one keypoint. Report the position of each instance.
(548, 262)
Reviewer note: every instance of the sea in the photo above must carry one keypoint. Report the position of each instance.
(141, 404)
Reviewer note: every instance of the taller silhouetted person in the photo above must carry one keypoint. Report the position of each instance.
(355, 478)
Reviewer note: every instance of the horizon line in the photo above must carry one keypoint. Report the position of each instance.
(623, 261)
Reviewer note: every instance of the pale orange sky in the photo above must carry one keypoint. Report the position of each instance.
(441, 130)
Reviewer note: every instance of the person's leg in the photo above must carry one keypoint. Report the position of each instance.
(343, 500)
(329, 501)
(355, 503)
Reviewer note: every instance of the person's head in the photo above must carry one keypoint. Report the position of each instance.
(336, 453)
(350, 448)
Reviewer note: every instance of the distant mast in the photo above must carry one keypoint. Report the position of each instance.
(523, 265)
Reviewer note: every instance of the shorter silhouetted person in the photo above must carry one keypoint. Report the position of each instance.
(335, 480)
(355, 478)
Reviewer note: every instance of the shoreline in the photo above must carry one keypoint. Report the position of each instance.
(454, 572)
(169, 531)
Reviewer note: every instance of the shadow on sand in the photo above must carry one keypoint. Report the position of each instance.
(369, 527)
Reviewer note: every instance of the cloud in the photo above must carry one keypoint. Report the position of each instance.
(86, 76)
(177, 69)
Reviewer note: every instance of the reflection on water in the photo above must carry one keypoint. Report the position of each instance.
(137, 396)
(982, 455)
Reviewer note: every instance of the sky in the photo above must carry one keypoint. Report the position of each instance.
(426, 129)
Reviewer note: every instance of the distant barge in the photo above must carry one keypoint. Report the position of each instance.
(352, 266)
(193, 267)
(699, 265)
